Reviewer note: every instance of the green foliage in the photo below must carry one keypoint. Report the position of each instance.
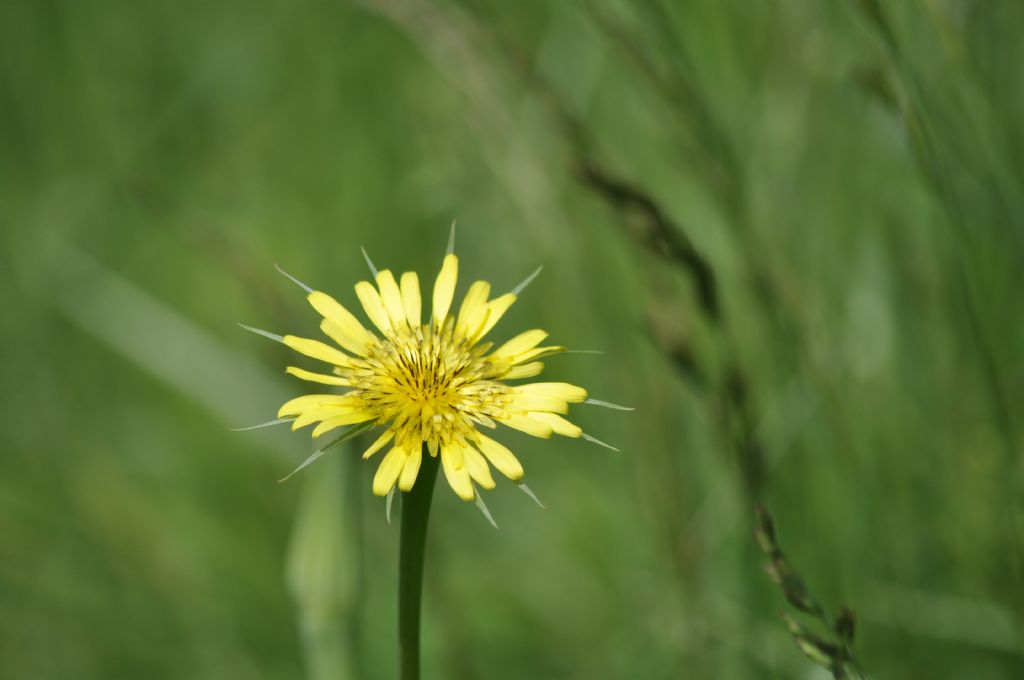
(833, 650)
(795, 230)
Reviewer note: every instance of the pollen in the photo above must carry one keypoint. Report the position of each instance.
(429, 386)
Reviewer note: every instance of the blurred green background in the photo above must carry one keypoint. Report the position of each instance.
(795, 229)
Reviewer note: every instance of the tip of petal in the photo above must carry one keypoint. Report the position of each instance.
(597, 441)
(451, 240)
(294, 280)
(276, 421)
(608, 404)
(483, 509)
(387, 507)
(266, 334)
(527, 281)
(369, 262)
(525, 489)
(356, 429)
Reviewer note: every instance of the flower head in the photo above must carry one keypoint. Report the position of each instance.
(431, 383)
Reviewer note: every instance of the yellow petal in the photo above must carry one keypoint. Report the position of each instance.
(317, 350)
(470, 328)
(537, 352)
(444, 288)
(345, 328)
(559, 424)
(317, 377)
(478, 468)
(529, 370)
(295, 406)
(391, 296)
(458, 476)
(558, 390)
(473, 304)
(522, 343)
(379, 444)
(350, 418)
(496, 309)
(523, 423)
(538, 402)
(318, 413)
(454, 455)
(374, 306)
(388, 471)
(411, 469)
(411, 298)
(500, 457)
(335, 333)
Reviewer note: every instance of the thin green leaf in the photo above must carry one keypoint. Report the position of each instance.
(351, 432)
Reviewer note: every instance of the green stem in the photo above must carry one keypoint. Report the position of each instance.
(415, 515)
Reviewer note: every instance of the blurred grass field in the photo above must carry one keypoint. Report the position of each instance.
(795, 231)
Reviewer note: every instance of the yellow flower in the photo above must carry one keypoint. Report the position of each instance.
(433, 382)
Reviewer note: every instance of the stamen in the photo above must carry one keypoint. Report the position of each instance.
(276, 421)
(369, 263)
(266, 334)
(483, 508)
(529, 493)
(608, 404)
(300, 284)
(526, 282)
(595, 440)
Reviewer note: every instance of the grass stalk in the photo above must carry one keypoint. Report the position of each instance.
(412, 548)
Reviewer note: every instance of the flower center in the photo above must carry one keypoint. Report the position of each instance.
(431, 386)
